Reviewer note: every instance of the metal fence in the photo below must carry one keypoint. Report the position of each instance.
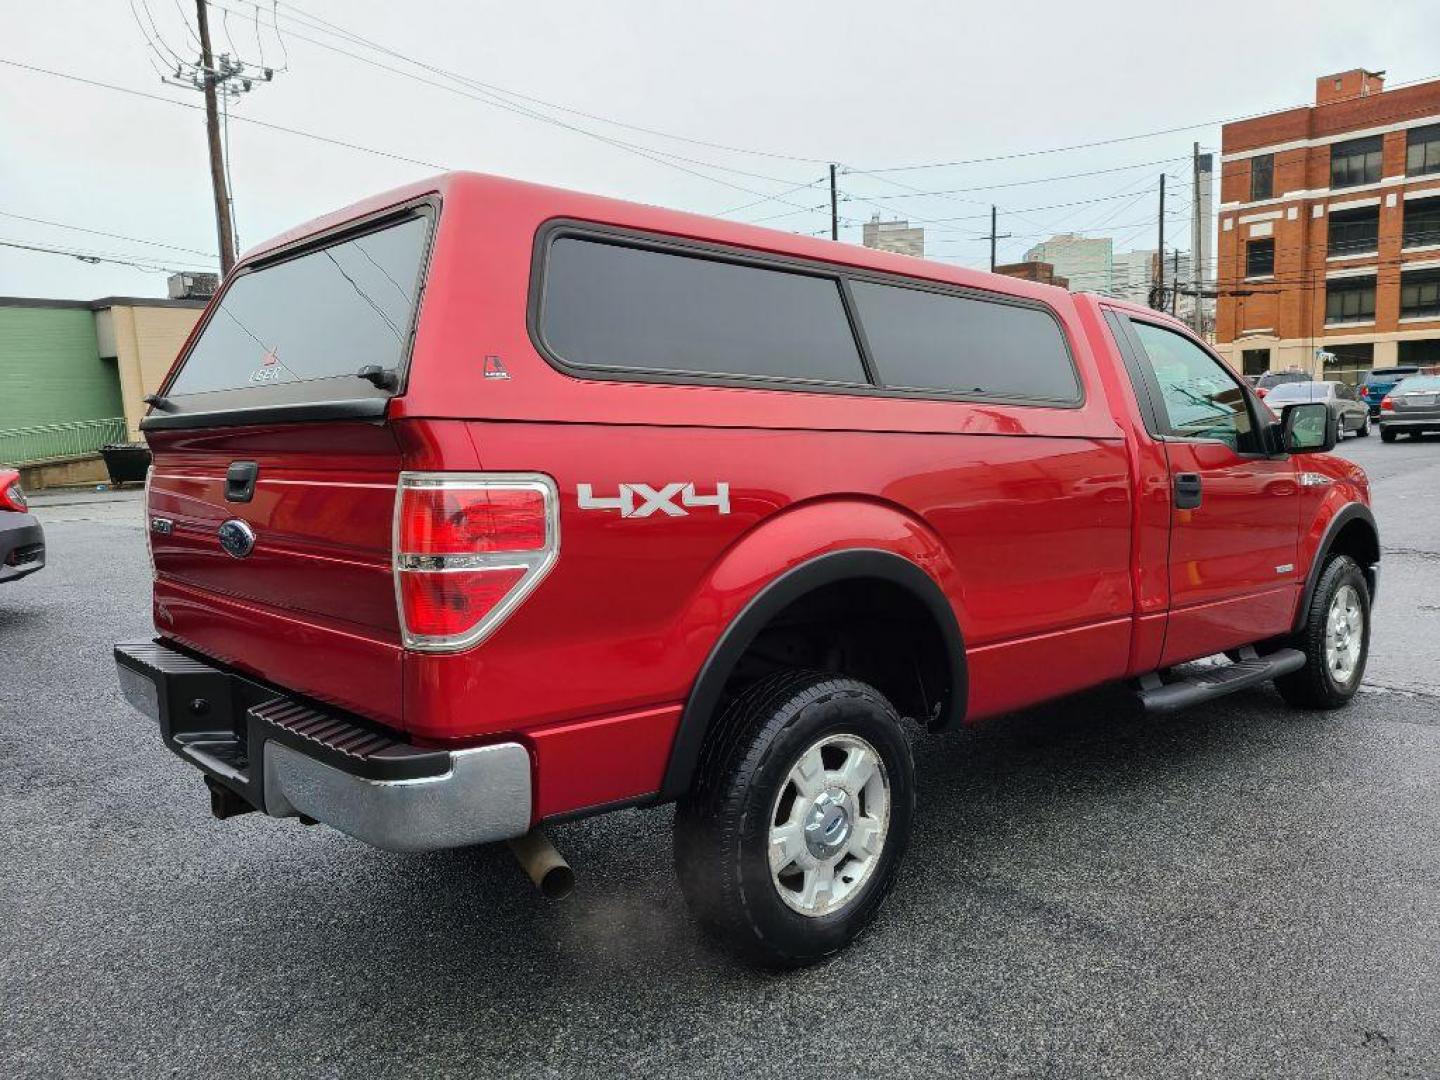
(49, 442)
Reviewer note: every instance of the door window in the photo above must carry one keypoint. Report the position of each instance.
(1199, 398)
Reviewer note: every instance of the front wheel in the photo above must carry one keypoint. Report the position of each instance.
(790, 839)
(1335, 639)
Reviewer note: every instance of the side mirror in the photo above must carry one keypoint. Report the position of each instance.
(1308, 428)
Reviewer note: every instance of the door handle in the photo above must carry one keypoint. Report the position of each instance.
(240, 481)
(1187, 491)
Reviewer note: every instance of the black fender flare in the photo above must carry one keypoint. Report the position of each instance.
(771, 600)
(1344, 516)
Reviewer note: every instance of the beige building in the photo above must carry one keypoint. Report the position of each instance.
(894, 236)
(143, 337)
(1087, 261)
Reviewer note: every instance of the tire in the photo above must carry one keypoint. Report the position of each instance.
(1364, 429)
(1388, 434)
(746, 793)
(1332, 670)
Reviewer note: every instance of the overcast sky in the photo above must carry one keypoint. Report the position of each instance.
(868, 85)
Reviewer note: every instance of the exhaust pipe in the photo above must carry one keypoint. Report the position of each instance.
(546, 867)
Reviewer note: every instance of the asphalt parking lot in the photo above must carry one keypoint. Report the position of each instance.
(1240, 891)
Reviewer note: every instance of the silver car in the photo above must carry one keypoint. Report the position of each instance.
(1411, 407)
(1352, 417)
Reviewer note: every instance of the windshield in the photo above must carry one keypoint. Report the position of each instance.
(1300, 391)
(321, 315)
(1279, 378)
(1418, 382)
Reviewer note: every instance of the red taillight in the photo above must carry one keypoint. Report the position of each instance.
(1261, 391)
(441, 520)
(1386, 405)
(12, 495)
(1365, 391)
(469, 547)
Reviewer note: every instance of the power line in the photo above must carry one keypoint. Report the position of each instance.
(110, 235)
(1040, 180)
(325, 25)
(1121, 138)
(241, 119)
(487, 97)
(138, 262)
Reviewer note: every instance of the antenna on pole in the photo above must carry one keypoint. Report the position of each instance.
(219, 79)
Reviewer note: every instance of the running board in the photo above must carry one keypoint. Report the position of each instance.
(1207, 684)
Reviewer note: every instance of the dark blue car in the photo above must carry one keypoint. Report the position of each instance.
(1381, 381)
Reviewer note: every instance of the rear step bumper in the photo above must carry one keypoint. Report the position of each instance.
(262, 750)
(1208, 684)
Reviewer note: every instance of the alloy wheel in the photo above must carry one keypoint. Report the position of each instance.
(828, 825)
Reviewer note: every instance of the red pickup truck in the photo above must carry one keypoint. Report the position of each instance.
(482, 505)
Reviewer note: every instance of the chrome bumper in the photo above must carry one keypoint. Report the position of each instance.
(483, 796)
(264, 751)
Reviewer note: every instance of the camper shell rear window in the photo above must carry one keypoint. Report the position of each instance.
(290, 335)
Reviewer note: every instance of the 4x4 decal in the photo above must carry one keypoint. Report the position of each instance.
(642, 500)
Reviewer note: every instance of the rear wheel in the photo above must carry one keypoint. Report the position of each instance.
(1364, 430)
(790, 839)
(1335, 639)
(1387, 434)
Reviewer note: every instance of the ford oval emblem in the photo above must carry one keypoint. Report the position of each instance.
(237, 538)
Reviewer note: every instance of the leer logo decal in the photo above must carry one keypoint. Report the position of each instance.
(642, 500)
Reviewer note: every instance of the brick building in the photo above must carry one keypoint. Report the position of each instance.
(1042, 272)
(1329, 253)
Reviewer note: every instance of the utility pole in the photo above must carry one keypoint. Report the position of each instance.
(1175, 284)
(223, 225)
(1200, 233)
(1160, 241)
(834, 206)
(994, 236)
(215, 76)
(1157, 281)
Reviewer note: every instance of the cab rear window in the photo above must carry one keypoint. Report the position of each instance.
(302, 328)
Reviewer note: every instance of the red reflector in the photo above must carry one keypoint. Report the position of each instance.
(437, 521)
(444, 604)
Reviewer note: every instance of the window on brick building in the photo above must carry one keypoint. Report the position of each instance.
(1422, 150)
(1355, 162)
(1259, 258)
(1262, 176)
(1354, 232)
(1350, 300)
(1420, 294)
(1422, 222)
(1255, 361)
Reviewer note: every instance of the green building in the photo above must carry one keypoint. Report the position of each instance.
(73, 373)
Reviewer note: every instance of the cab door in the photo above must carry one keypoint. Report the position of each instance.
(1234, 506)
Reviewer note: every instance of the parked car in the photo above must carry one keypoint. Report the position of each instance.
(1350, 413)
(22, 540)
(1380, 381)
(1412, 407)
(483, 505)
(1271, 379)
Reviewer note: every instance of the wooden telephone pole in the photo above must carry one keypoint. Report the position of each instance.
(215, 76)
(224, 227)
